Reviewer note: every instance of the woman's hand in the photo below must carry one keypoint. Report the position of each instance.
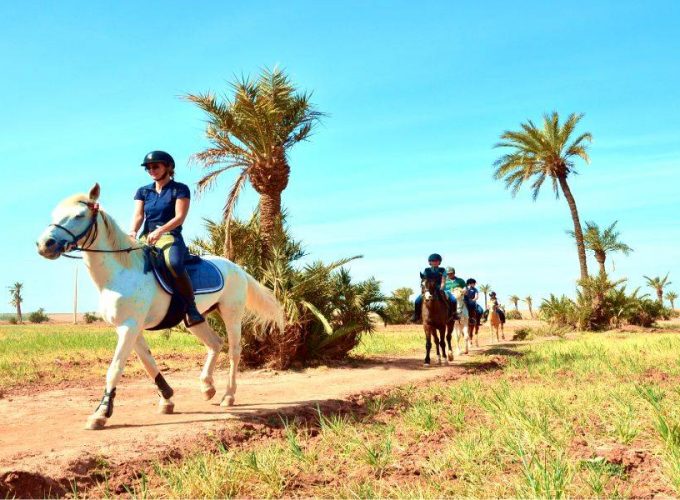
(133, 235)
(154, 236)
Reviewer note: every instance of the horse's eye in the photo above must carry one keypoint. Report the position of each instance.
(80, 216)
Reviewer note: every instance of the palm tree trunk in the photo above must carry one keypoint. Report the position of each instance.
(578, 232)
(270, 219)
(600, 258)
(672, 304)
(659, 295)
(19, 318)
(485, 306)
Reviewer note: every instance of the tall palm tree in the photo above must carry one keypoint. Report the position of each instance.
(16, 298)
(603, 242)
(671, 297)
(515, 300)
(658, 285)
(485, 289)
(546, 153)
(252, 130)
(529, 302)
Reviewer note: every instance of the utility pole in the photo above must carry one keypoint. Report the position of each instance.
(75, 296)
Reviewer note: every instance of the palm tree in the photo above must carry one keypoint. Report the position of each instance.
(671, 296)
(658, 284)
(603, 242)
(485, 289)
(16, 298)
(529, 302)
(541, 154)
(514, 299)
(252, 130)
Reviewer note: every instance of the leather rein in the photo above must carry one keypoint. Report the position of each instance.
(90, 235)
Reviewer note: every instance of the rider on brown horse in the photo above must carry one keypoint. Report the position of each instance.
(435, 272)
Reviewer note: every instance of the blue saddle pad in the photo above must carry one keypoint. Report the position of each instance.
(205, 277)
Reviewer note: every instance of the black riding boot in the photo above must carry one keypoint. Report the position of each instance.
(186, 290)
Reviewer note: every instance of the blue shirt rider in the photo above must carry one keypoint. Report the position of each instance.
(471, 294)
(160, 210)
(437, 272)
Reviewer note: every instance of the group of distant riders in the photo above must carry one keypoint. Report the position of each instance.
(449, 281)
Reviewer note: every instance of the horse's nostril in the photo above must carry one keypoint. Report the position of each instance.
(50, 243)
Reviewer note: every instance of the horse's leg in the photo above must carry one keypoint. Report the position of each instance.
(477, 332)
(232, 321)
(502, 331)
(458, 331)
(127, 335)
(165, 392)
(442, 343)
(428, 346)
(466, 335)
(435, 334)
(449, 330)
(213, 343)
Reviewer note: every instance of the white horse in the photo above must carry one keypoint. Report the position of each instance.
(462, 323)
(133, 301)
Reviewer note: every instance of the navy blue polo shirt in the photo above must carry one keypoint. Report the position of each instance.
(159, 208)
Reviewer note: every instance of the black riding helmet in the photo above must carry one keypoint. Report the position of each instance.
(159, 157)
(471, 281)
(434, 256)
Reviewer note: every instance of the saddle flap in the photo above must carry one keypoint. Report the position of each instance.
(205, 276)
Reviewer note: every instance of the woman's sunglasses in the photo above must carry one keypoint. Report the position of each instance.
(153, 166)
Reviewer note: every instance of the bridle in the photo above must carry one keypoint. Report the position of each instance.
(89, 234)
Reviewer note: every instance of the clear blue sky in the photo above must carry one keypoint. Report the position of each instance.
(416, 93)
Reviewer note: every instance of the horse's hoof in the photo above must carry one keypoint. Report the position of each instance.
(458, 352)
(208, 393)
(227, 401)
(166, 407)
(450, 356)
(95, 423)
(439, 361)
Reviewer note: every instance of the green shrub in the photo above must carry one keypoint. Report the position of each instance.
(523, 334)
(38, 316)
(513, 314)
(90, 317)
(399, 308)
(601, 304)
(326, 313)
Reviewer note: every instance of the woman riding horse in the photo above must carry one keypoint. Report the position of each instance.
(161, 208)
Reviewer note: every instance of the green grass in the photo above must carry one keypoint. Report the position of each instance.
(391, 342)
(536, 428)
(53, 353)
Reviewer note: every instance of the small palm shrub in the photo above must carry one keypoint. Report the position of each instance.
(399, 308)
(38, 316)
(326, 312)
(512, 314)
(90, 317)
(601, 304)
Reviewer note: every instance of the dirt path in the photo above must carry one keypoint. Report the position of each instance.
(43, 434)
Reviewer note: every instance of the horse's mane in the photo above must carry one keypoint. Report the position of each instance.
(115, 236)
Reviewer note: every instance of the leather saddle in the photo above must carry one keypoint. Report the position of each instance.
(205, 278)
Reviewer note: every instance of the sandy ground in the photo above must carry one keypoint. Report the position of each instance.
(43, 434)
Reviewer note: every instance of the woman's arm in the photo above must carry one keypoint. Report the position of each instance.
(181, 211)
(137, 218)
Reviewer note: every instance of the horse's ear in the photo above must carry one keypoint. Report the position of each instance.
(422, 276)
(94, 192)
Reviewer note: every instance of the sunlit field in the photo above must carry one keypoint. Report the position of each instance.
(598, 415)
(56, 353)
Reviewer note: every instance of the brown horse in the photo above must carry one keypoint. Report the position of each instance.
(435, 314)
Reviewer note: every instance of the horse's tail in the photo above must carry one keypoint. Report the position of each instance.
(263, 304)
